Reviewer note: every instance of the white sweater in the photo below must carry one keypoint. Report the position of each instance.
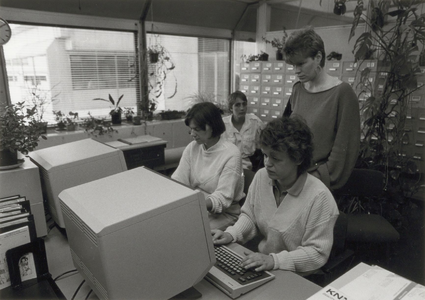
(246, 138)
(217, 171)
(298, 233)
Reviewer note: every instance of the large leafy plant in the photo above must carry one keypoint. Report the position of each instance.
(394, 36)
(20, 129)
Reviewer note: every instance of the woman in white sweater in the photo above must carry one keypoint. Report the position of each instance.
(242, 128)
(212, 165)
(293, 211)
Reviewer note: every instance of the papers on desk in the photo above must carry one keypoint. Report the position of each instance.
(375, 283)
(140, 139)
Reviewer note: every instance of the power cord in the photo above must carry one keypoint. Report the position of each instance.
(63, 274)
(88, 294)
(78, 288)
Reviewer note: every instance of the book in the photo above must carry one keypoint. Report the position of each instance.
(13, 217)
(15, 208)
(371, 282)
(11, 201)
(9, 198)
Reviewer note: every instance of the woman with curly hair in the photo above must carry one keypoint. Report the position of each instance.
(293, 211)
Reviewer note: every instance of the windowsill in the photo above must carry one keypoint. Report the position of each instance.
(172, 131)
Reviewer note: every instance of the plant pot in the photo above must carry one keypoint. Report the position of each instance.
(263, 57)
(61, 126)
(137, 120)
(8, 158)
(116, 118)
(43, 127)
(153, 57)
(129, 118)
(279, 55)
(70, 127)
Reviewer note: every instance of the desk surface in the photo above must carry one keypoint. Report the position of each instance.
(286, 286)
(138, 142)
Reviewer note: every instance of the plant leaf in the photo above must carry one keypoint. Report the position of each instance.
(396, 12)
(119, 99)
(357, 14)
(111, 99)
(101, 99)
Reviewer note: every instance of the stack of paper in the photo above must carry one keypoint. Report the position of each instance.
(375, 283)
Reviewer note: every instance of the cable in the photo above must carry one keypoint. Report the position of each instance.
(88, 294)
(78, 288)
(67, 272)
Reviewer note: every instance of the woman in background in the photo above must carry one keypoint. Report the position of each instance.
(242, 129)
(212, 165)
(293, 211)
(329, 106)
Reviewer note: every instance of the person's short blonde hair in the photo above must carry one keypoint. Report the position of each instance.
(305, 42)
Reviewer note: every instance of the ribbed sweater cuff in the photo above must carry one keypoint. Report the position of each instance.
(217, 207)
(283, 261)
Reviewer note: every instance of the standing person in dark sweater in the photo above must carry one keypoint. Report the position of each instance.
(328, 105)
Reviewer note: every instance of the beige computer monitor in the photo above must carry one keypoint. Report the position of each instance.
(138, 235)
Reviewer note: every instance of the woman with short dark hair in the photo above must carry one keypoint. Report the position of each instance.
(328, 105)
(292, 211)
(212, 165)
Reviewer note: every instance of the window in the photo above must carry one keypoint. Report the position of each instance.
(102, 71)
(65, 68)
(201, 66)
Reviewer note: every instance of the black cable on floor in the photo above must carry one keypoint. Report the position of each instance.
(88, 294)
(67, 272)
(78, 288)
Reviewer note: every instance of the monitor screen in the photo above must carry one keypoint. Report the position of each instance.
(138, 235)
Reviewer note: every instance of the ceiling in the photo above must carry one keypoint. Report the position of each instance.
(223, 14)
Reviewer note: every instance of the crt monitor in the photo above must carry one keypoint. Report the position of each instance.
(71, 164)
(138, 235)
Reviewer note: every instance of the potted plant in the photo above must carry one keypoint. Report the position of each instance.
(279, 44)
(394, 38)
(263, 56)
(116, 111)
(154, 51)
(66, 121)
(128, 113)
(148, 108)
(97, 126)
(41, 100)
(20, 131)
(172, 114)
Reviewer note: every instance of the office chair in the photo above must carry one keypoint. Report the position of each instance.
(340, 258)
(367, 228)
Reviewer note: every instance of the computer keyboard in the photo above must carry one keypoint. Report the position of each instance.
(232, 279)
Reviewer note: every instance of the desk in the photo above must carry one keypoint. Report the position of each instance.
(25, 181)
(142, 150)
(286, 286)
